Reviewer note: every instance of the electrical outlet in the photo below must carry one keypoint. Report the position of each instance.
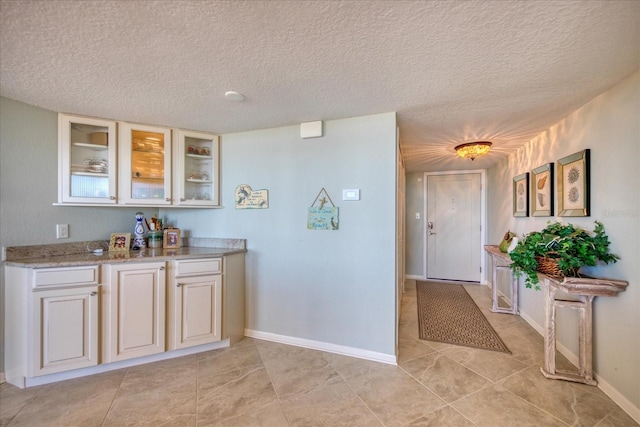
(62, 231)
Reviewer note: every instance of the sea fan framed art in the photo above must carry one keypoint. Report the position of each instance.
(521, 195)
(574, 184)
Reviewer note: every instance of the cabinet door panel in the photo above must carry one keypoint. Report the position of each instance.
(145, 164)
(136, 310)
(199, 305)
(87, 160)
(66, 329)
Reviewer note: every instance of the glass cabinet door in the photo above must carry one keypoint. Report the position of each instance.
(196, 162)
(87, 162)
(145, 164)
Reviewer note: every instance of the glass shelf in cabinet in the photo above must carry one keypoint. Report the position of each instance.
(94, 147)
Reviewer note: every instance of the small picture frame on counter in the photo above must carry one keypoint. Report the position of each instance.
(119, 242)
(171, 238)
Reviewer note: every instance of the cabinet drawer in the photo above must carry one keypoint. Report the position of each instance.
(68, 276)
(199, 266)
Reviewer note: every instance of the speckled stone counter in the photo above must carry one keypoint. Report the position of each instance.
(81, 253)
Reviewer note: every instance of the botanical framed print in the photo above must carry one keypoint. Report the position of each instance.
(573, 184)
(542, 190)
(119, 242)
(171, 238)
(521, 195)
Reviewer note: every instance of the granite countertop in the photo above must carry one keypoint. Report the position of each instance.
(81, 253)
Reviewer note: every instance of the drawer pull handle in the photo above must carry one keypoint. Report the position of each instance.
(94, 293)
(161, 268)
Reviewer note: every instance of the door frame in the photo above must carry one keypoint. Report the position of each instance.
(483, 218)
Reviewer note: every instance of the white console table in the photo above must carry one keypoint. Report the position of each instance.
(498, 258)
(585, 290)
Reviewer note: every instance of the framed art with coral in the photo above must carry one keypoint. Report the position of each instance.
(542, 190)
(521, 195)
(573, 184)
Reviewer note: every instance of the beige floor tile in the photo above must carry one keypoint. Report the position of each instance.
(493, 365)
(244, 354)
(575, 404)
(411, 348)
(175, 374)
(78, 402)
(333, 405)
(445, 417)
(271, 415)
(12, 400)
(230, 394)
(495, 406)
(351, 367)
(445, 377)
(393, 396)
(298, 370)
(162, 406)
(617, 418)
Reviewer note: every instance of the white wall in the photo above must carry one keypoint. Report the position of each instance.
(334, 287)
(609, 125)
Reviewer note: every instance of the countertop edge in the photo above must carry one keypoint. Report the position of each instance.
(144, 255)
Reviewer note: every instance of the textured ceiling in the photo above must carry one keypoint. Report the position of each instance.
(453, 71)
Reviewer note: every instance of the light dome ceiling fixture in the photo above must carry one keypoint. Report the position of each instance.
(234, 96)
(473, 149)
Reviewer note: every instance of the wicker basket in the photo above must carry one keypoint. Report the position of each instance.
(548, 266)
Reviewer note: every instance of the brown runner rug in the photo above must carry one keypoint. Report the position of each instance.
(447, 313)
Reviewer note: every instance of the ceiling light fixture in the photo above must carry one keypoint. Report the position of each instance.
(473, 149)
(234, 96)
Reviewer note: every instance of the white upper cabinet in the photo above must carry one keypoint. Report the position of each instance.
(104, 162)
(196, 169)
(145, 165)
(87, 160)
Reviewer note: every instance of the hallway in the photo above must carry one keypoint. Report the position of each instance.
(259, 383)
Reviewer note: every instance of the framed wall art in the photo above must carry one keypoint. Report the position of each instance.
(573, 184)
(171, 238)
(521, 195)
(542, 190)
(119, 242)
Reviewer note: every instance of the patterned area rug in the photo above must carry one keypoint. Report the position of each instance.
(447, 313)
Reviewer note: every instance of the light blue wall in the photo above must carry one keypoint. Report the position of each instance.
(609, 127)
(329, 286)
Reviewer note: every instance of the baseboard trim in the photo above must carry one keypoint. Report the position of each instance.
(412, 277)
(2, 379)
(323, 346)
(624, 403)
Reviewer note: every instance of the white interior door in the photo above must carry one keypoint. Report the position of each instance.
(454, 227)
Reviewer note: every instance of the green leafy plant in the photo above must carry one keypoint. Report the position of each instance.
(569, 246)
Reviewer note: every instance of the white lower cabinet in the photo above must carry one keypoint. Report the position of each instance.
(194, 302)
(133, 307)
(58, 320)
(51, 321)
(65, 329)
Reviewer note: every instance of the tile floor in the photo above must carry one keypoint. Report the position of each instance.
(259, 383)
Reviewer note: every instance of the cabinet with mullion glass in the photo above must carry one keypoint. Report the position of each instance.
(87, 150)
(196, 163)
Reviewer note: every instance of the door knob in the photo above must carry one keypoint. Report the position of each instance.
(431, 233)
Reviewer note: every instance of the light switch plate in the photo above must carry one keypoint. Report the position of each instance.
(351, 194)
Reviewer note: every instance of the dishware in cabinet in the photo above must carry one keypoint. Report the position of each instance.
(196, 162)
(145, 164)
(87, 160)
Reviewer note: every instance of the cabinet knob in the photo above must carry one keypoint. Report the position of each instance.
(161, 268)
(168, 199)
(182, 199)
(178, 285)
(94, 293)
(112, 197)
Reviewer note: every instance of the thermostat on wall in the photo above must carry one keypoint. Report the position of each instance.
(353, 194)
